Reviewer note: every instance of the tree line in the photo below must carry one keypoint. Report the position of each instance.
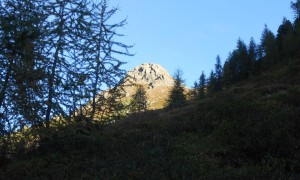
(244, 61)
(55, 56)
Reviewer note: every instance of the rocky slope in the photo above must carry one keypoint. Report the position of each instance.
(154, 78)
(156, 81)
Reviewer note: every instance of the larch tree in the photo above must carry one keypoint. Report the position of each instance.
(55, 56)
(60, 44)
(105, 67)
(21, 30)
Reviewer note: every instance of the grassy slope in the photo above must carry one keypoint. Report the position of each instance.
(251, 130)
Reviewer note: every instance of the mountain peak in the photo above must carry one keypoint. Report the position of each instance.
(153, 75)
(154, 78)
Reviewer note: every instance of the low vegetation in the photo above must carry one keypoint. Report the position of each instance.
(251, 130)
(240, 123)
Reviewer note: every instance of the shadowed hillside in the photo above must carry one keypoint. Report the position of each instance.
(65, 115)
(251, 130)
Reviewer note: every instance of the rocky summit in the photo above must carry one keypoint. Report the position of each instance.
(153, 75)
(154, 78)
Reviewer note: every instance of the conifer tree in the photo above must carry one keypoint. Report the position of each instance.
(21, 30)
(212, 83)
(252, 52)
(296, 7)
(269, 47)
(64, 14)
(202, 85)
(227, 74)
(55, 56)
(195, 90)
(177, 97)
(218, 73)
(139, 100)
(105, 67)
(286, 39)
(243, 61)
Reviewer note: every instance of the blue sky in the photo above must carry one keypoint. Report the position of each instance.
(189, 34)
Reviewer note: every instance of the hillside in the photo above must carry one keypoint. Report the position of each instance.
(68, 110)
(156, 81)
(251, 130)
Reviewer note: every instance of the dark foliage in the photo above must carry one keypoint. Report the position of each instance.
(139, 100)
(177, 97)
(246, 127)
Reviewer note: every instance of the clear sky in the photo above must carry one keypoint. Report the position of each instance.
(189, 34)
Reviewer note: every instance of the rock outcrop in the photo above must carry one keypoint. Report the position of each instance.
(154, 78)
(153, 75)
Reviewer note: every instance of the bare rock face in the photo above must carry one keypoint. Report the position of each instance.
(156, 81)
(153, 75)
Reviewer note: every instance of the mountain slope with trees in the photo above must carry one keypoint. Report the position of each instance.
(249, 131)
(242, 122)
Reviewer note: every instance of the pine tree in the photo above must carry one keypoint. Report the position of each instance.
(115, 105)
(243, 61)
(286, 39)
(218, 73)
(202, 85)
(236, 68)
(269, 47)
(252, 52)
(195, 90)
(177, 97)
(139, 100)
(212, 83)
(227, 74)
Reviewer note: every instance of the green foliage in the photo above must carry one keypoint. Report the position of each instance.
(296, 7)
(212, 83)
(230, 136)
(238, 64)
(177, 97)
(286, 39)
(219, 74)
(109, 105)
(228, 75)
(55, 57)
(269, 47)
(202, 84)
(139, 100)
(253, 57)
(251, 129)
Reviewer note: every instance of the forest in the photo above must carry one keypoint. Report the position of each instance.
(57, 56)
